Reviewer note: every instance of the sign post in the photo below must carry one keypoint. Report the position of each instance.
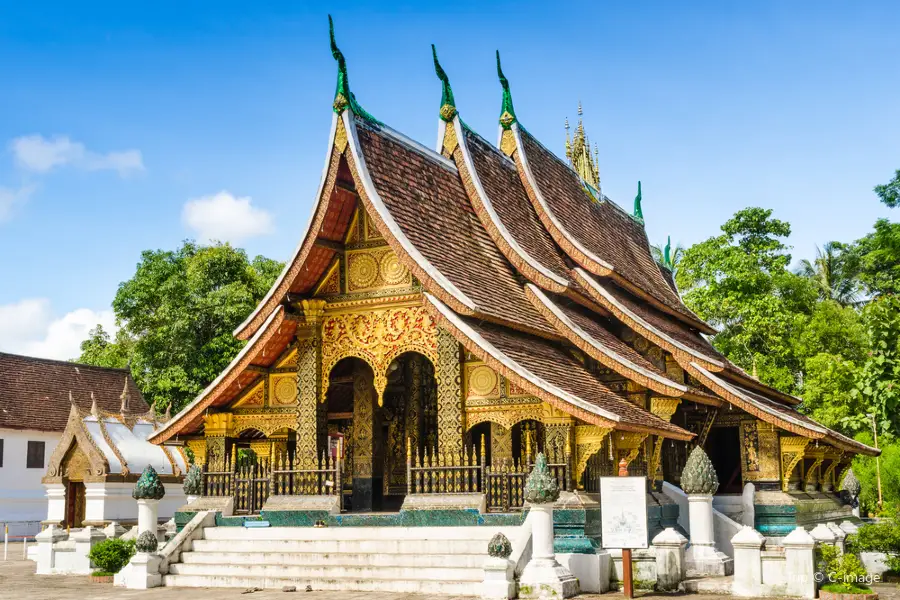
(623, 510)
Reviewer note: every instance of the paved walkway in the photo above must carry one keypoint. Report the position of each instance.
(18, 582)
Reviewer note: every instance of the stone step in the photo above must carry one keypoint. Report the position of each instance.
(334, 571)
(346, 546)
(346, 584)
(351, 533)
(379, 559)
(708, 585)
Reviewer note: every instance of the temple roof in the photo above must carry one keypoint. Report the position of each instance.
(520, 258)
(37, 393)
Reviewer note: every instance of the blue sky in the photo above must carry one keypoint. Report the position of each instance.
(127, 126)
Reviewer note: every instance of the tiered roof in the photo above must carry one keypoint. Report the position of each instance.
(521, 259)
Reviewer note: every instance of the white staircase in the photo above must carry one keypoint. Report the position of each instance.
(428, 560)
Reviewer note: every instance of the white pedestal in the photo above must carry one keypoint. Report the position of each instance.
(147, 516)
(702, 559)
(499, 579)
(543, 576)
(799, 563)
(56, 502)
(45, 553)
(591, 570)
(141, 572)
(747, 544)
(670, 561)
(84, 540)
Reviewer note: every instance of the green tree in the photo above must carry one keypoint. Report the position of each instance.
(179, 310)
(99, 349)
(879, 256)
(739, 283)
(864, 467)
(878, 385)
(834, 272)
(889, 193)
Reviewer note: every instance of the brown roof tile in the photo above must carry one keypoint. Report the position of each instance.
(601, 227)
(34, 392)
(427, 200)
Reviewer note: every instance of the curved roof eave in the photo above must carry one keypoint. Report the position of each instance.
(244, 330)
(527, 380)
(581, 254)
(493, 224)
(203, 399)
(600, 352)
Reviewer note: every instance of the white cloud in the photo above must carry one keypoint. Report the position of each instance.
(29, 327)
(10, 199)
(39, 154)
(226, 218)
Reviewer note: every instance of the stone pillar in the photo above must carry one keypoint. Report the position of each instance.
(363, 444)
(699, 481)
(84, 540)
(747, 544)
(148, 511)
(45, 552)
(670, 565)
(700, 515)
(799, 564)
(448, 372)
(499, 572)
(56, 504)
(543, 576)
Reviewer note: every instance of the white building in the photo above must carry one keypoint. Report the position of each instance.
(34, 409)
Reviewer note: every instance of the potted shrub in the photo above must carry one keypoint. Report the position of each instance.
(845, 577)
(110, 556)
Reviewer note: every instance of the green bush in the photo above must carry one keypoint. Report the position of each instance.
(883, 536)
(844, 572)
(112, 554)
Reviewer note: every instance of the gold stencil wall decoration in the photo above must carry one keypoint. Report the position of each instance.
(501, 443)
(307, 380)
(282, 389)
(265, 423)
(481, 382)
(505, 415)
(219, 424)
(588, 441)
(449, 393)
(255, 397)
(375, 268)
(792, 450)
(331, 282)
(377, 337)
(363, 422)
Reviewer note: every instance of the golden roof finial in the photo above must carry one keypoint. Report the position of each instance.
(578, 151)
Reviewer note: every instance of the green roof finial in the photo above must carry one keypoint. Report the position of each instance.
(507, 112)
(342, 91)
(667, 253)
(638, 213)
(448, 104)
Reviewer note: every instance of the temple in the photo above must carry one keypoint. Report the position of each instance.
(451, 312)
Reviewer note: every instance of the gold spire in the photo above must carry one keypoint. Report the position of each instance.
(124, 397)
(578, 151)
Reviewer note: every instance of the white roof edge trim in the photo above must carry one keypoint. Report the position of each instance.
(513, 365)
(602, 291)
(240, 356)
(540, 197)
(495, 218)
(738, 392)
(589, 339)
(306, 231)
(442, 128)
(392, 224)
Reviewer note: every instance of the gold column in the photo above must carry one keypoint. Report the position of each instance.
(309, 378)
(363, 442)
(664, 408)
(449, 394)
(217, 427)
(414, 373)
(811, 478)
(501, 443)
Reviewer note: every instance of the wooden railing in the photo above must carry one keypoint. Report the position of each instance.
(502, 482)
(251, 480)
(443, 472)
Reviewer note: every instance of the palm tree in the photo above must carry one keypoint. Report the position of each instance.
(667, 257)
(835, 273)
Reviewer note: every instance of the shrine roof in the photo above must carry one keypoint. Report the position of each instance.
(780, 415)
(35, 392)
(545, 369)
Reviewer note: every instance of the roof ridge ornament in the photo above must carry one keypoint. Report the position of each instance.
(507, 112)
(343, 97)
(448, 103)
(123, 408)
(667, 253)
(638, 211)
(95, 410)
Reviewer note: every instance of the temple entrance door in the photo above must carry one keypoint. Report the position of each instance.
(376, 437)
(75, 501)
(723, 446)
